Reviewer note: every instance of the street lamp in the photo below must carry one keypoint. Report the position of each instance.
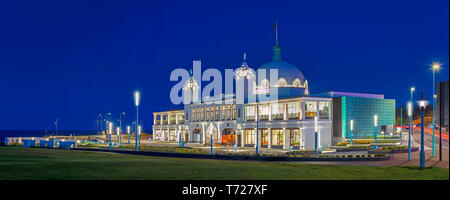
(120, 120)
(422, 105)
(435, 67)
(409, 132)
(351, 131)
(315, 135)
(118, 136)
(137, 98)
(110, 132)
(128, 133)
(401, 122)
(375, 122)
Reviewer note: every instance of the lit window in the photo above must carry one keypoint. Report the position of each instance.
(294, 110)
(250, 113)
(310, 109)
(324, 110)
(297, 83)
(282, 82)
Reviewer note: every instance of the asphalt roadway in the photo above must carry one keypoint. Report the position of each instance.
(402, 159)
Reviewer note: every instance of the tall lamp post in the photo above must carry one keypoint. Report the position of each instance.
(315, 136)
(120, 120)
(422, 105)
(440, 121)
(118, 136)
(435, 67)
(128, 133)
(137, 96)
(409, 132)
(110, 133)
(401, 122)
(375, 122)
(351, 131)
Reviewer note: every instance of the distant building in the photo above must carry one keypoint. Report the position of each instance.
(442, 95)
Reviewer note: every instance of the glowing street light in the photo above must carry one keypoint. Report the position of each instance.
(137, 99)
(409, 105)
(435, 66)
(351, 131)
(110, 133)
(422, 103)
(315, 135)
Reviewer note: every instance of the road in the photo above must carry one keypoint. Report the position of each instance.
(402, 159)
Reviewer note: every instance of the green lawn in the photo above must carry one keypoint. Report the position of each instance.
(37, 163)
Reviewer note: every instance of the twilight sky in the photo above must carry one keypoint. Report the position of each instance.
(74, 59)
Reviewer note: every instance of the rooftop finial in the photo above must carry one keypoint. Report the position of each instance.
(245, 56)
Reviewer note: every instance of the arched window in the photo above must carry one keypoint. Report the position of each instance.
(265, 83)
(297, 83)
(282, 82)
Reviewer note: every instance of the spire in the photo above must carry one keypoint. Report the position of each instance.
(276, 48)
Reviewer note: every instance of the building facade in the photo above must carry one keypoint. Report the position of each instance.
(286, 121)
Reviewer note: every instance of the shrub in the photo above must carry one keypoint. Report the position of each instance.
(343, 143)
(357, 156)
(349, 156)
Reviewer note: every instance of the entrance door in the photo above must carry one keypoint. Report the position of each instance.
(228, 137)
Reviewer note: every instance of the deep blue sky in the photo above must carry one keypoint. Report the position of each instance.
(75, 59)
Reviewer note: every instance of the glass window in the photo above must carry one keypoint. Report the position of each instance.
(172, 119)
(192, 114)
(277, 137)
(217, 113)
(228, 112)
(207, 113)
(201, 113)
(263, 112)
(250, 113)
(282, 82)
(197, 112)
(295, 137)
(181, 118)
(264, 136)
(249, 136)
(277, 111)
(324, 110)
(223, 112)
(296, 82)
(310, 109)
(234, 112)
(294, 110)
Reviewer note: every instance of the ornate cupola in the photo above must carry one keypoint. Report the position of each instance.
(191, 90)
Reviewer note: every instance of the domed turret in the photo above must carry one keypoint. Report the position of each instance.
(289, 76)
